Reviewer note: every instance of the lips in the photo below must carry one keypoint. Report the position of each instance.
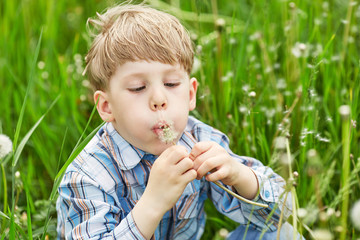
(159, 127)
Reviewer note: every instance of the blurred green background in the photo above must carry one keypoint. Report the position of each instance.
(268, 71)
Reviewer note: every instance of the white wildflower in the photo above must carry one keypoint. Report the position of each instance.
(5, 145)
(17, 174)
(355, 215)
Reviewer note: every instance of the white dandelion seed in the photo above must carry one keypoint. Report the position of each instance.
(5, 145)
(355, 215)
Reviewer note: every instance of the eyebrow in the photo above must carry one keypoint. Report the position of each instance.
(141, 74)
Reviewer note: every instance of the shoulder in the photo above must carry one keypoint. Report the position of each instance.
(204, 132)
(96, 161)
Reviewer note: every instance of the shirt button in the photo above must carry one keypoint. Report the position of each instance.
(267, 193)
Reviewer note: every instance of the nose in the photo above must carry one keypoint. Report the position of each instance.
(158, 101)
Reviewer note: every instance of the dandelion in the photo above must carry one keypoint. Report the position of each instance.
(252, 94)
(255, 36)
(45, 75)
(300, 50)
(302, 213)
(322, 234)
(168, 134)
(344, 111)
(355, 215)
(223, 232)
(281, 83)
(280, 143)
(5, 145)
(41, 65)
(220, 22)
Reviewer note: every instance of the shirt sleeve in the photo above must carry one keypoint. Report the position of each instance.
(86, 211)
(271, 192)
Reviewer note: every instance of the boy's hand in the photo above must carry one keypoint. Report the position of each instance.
(169, 175)
(211, 157)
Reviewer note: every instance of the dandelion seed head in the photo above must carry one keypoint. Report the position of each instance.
(299, 50)
(280, 143)
(245, 88)
(220, 22)
(196, 65)
(41, 65)
(322, 234)
(355, 215)
(45, 75)
(168, 134)
(302, 212)
(255, 36)
(330, 212)
(223, 232)
(344, 111)
(252, 94)
(5, 145)
(281, 83)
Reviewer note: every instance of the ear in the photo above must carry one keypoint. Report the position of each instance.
(193, 88)
(103, 106)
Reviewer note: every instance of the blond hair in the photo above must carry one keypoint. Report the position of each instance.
(133, 33)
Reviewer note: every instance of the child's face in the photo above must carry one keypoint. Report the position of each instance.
(145, 96)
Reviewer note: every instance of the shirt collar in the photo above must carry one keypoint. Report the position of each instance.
(128, 156)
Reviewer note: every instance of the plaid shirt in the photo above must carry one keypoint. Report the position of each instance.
(103, 184)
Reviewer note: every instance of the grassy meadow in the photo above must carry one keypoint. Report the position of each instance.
(281, 78)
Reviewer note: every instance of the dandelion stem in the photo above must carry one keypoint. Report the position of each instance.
(164, 137)
(240, 197)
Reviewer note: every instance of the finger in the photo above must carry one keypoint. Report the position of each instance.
(189, 175)
(175, 154)
(199, 148)
(184, 165)
(217, 175)
(211, 164)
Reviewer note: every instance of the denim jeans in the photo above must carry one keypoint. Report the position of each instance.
(286, 233)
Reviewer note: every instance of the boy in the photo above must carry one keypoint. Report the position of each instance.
(130, 183)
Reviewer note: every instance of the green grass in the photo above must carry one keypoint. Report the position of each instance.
(298, 91)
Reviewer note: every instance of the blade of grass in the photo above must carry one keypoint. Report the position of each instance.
(28, 135)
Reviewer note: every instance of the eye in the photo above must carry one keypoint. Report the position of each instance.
(172, 84)
(137, 89)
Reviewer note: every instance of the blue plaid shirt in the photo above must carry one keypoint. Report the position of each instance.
(103, 184)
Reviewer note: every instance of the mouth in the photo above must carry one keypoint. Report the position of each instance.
(165, 132)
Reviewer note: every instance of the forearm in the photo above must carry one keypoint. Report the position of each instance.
(147, 216)
(247, 184)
